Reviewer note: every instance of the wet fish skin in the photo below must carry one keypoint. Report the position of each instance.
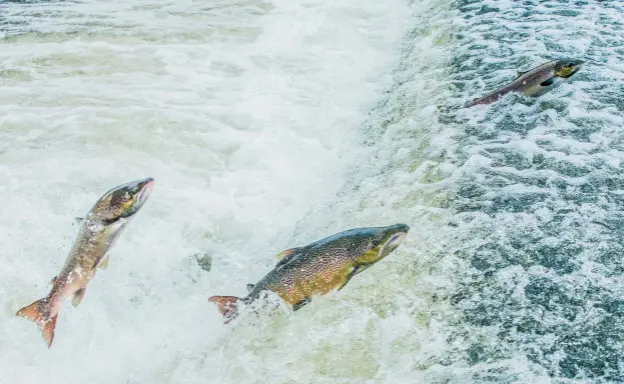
(535, 82)
(320, 267)
(99, 230)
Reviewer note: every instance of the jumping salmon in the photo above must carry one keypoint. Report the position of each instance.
(99, 229)
(319, 267)
(535, 82)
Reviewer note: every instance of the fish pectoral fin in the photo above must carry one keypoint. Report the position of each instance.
(103, 264)
(78, 296)
(357, 269)
(354, 272)
(284, 256)
(548, 82)
(250, 287)
(300, 304)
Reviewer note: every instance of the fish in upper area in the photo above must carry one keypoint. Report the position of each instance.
(535, 82)
(98, 232)
(319, 267)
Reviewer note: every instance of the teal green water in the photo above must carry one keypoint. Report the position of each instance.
(269, 125)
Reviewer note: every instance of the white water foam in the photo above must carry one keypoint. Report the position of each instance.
(246, 113)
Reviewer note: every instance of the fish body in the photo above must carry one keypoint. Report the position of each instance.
(320, 267)
(98, 232)
(535, 82)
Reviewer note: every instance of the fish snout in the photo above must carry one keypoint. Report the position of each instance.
(402, 228)
(399, 233)
(565, 68)
(145, 189)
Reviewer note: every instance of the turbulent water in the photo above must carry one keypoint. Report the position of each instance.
(271, 124)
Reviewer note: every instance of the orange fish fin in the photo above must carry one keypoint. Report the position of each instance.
(33, 312)
(48, 330)
(227, 306)
(284, 256)
(78, 295)
(36, 312)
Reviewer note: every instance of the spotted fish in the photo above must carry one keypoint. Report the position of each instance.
(319, 267)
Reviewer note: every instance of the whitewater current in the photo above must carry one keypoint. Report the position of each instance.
(271, 124)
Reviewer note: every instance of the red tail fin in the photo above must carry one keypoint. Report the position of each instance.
(227, 306)
(39, 313)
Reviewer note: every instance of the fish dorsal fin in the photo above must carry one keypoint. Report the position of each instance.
(520, 73)
(284, 256)
(250, 287)
(78, 220)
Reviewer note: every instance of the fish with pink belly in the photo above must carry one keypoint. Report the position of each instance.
(98, 232)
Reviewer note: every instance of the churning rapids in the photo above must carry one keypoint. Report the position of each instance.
(271, 124)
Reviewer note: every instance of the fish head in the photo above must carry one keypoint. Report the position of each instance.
(373, 244)
(123, 201)
(565, 68)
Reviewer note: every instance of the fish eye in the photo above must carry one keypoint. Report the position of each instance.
(570, 65)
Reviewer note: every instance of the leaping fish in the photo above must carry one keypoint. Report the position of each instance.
(319, 267)
(535, 82)
(99, 230)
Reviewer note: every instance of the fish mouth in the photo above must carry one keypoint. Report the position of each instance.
(395, 239)
(566, 68)
(577, 67)
(140, 191)
(145, 187)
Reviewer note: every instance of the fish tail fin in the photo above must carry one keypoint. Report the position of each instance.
(38, 312)
(227, 306)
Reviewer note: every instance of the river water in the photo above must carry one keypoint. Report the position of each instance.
(271, 124)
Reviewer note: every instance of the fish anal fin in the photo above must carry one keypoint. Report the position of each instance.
(300, 304)
(78, 295)
(250, 287)
(227, 306)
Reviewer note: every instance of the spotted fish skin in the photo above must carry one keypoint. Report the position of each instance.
(98, 232)
(535, 82)
(320, 267)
